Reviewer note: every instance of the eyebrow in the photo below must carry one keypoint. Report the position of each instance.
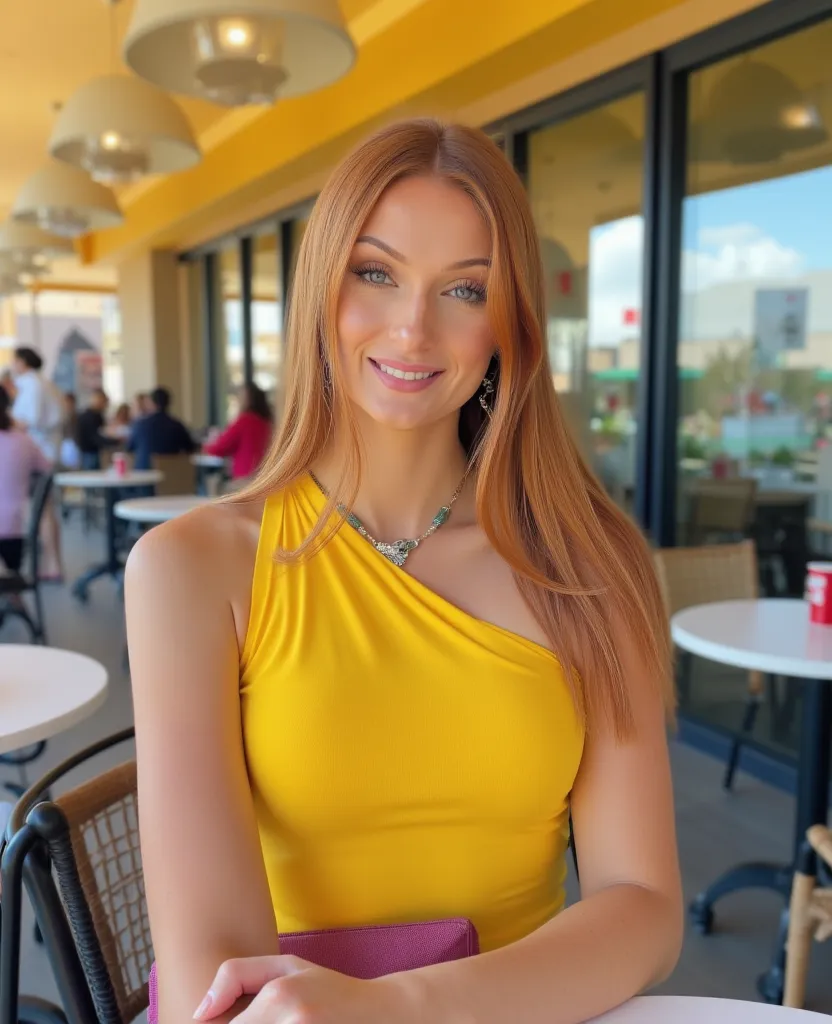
(476, 261)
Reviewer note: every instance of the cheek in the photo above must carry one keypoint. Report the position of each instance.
(472, 341)
(359, 318)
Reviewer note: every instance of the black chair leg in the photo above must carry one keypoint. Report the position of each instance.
(748, 719)
(40, 620)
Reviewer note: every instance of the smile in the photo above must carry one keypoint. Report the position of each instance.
(401, 377)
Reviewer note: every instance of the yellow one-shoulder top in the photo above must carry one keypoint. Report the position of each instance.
(408, 761)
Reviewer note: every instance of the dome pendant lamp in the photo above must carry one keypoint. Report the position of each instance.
(66, 201)
(238, 52)
(29, 249)
(119, 128)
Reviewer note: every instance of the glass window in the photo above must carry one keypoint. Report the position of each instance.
(267, 315)
(585, 186)
(230, 364)
(78, 335)
(755, 344)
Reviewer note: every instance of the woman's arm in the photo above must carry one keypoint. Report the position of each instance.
(207, 892)
(227, 442)
(625, 934)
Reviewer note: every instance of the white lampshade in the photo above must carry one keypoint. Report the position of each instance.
(236, 52)
(66, 201)
(119, 127)
(28, 248)
(11, 279)
(755, 114)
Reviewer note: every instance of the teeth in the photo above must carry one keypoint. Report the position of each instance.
(403, 374)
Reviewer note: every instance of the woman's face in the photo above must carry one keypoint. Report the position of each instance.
(414, 340)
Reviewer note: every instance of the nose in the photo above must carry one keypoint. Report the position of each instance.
(410, 325)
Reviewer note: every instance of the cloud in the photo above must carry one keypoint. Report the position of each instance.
(615, 279)
(731, 252)
(737, 252)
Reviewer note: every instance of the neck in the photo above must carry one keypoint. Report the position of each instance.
(406, 475)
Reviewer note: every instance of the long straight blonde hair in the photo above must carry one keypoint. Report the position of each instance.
(580, 564)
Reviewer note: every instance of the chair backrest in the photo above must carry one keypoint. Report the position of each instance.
(713, 572)
(40, 496)
(723, 505)
(100, 916)
(179, 474)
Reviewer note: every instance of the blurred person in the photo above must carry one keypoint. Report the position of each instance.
(142, 405)
(39, 410)
(120, 423)
(20, 458)
(158, 433)
(392, 709)
(70, 455)
(91, 424)
(247, 438)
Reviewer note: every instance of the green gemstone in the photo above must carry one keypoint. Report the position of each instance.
(441, 516)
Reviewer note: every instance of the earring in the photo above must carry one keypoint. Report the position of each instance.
(487, 390)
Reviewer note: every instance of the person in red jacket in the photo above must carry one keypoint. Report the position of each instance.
(247, 438)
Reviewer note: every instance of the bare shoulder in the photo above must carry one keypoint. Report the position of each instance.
(209, 538)
(204, 559)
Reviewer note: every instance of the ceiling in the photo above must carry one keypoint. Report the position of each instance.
(39, 69)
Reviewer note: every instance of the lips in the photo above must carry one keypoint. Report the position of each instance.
(404, 376)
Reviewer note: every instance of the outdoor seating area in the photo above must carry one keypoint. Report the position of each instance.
(416, 512)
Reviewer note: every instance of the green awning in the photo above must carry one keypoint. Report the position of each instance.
(616, 373)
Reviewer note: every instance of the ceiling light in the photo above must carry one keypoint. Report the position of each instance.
(64, 200)
(119, 128)
(28, 248)
(756, 114)
(236, 52)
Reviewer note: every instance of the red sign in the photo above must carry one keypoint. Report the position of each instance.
(563, 282)
(631, 317)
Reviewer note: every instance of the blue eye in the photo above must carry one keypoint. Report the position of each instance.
(376, 276)
(471, 292)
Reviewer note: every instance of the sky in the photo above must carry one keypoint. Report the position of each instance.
(780, 228)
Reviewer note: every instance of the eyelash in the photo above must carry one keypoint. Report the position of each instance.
(476, 287)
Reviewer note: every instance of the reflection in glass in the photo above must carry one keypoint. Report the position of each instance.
(585, 186)
(267, 315)
(230, 365)
(755, 344)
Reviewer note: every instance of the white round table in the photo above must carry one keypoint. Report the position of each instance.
(43, 691)
(113, 485)
(773, 636)
(692, 1010)
(159, 509)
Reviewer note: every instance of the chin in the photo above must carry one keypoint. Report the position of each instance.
(399, 417)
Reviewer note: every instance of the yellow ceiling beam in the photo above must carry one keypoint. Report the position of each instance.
(438, 49)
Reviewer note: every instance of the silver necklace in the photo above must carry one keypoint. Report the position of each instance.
(398, 551)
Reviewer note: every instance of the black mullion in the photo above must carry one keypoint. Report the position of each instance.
(209, 275)
(246, 299)
(285, 269)
(669, 193)
(650, 336)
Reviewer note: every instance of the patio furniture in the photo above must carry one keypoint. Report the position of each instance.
(716, 572)
(810, 912)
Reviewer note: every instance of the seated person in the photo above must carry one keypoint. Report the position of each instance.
(89, 427)
(247, 438)
(20, 457)
(159, 433)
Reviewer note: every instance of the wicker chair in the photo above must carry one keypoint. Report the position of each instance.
(79, 859)
(810, 912)
(721, 508)
(699, 575)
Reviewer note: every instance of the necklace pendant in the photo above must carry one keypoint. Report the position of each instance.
(398, 551)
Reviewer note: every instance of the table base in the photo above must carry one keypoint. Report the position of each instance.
(812, 809)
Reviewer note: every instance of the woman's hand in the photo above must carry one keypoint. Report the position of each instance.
(289, 990)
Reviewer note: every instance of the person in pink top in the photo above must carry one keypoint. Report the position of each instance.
(20, 457)
(247, 438)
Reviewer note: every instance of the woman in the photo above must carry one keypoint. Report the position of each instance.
(20, 457)
(358, 742)
(247, 438)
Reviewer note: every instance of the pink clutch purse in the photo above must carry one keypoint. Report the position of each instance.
(372, 951)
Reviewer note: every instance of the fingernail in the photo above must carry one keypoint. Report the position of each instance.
(204, 1006)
